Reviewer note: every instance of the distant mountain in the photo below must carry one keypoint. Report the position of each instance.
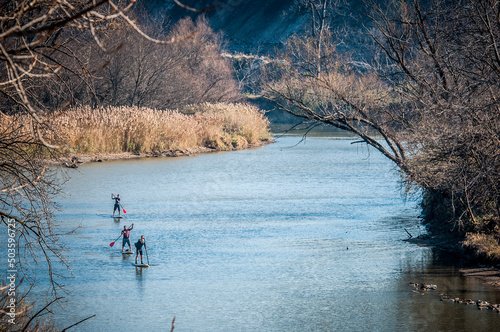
(256, 25)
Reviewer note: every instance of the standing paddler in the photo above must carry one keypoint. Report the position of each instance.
(138, 246)
(126, 237)
(117, 204)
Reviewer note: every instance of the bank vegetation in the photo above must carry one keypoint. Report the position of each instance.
(122, 129)
(427, 99)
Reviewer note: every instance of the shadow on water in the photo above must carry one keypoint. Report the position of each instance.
(426, 308)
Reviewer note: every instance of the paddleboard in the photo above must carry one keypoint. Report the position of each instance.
(140, 265)
(118, 217)
(127, 252)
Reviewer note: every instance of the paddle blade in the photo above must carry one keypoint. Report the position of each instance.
(112, 244)
(124, 211)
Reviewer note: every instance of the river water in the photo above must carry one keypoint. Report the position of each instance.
(286, 237)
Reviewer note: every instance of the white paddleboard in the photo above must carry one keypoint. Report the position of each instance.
(127, 252)
(140, 265)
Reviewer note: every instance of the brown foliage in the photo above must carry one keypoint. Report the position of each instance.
(448, 74)
(101, 130)
(433, 109)
(144, 74)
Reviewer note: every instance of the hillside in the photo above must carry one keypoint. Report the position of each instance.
(257, 26)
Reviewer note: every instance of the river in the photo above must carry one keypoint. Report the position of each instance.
(286, 237)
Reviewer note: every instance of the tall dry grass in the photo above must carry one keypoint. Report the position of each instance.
(484, 246)
(130, 129)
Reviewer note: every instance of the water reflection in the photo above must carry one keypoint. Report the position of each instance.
(138, 273)
(425, 308)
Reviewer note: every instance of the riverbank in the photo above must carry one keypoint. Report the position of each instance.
(446, 239)
(75, 160)
(489, 275)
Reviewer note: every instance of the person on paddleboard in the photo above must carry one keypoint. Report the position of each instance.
(126, 237)
(138, 246)
(117, 204)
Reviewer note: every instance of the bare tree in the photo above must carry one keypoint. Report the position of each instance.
(321, 13)
(433, 109)
(447, 70)
(202, 74)
(141, 73)
(340, 96)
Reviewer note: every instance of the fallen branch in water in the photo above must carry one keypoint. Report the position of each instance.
(408, 233)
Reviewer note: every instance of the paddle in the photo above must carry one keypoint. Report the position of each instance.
(113, 243)
(146, 252)
(123, 209)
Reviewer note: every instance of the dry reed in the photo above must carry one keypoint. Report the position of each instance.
(130, 129)
(483, 245)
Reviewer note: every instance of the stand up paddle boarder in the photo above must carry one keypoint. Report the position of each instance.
(126, 237)
(138, 245)
(117, 204)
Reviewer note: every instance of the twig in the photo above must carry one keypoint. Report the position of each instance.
(173, 321)
(83, 320)
(408, 233)
(193, 9)
(38, 313)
